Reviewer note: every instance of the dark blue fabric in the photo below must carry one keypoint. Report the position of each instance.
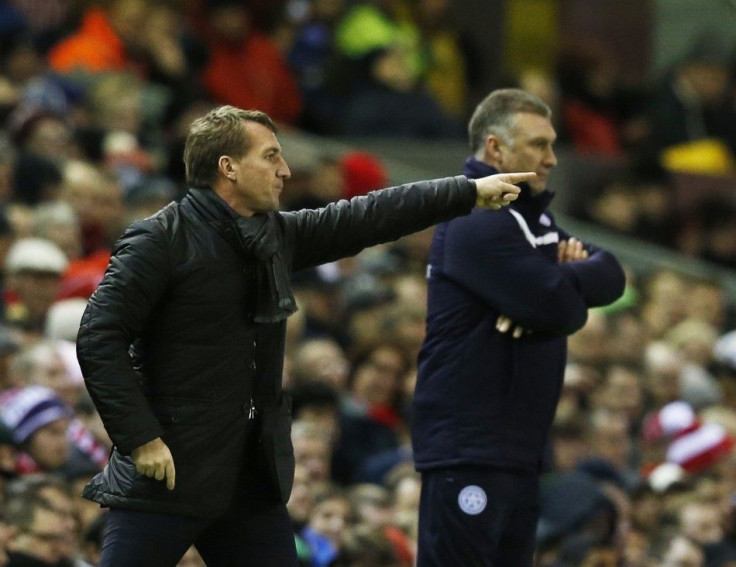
(502, 535)
(484, 398)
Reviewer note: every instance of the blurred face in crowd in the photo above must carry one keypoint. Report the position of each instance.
(46, 538)
(312, 452)
(330, 518)
(62, 505)
(50, 138)
(377, 380)
(66, 236)
(701, 522)
(230, 22)
(322, 360)
(48, 446)
(36, 290)
(128, 18)
(323, 417)
(622, 392)
(683, 553)
(48, 369)
(529, 149)
(96, 200)
(610, 437)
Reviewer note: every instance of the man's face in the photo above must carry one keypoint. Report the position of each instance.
(36, 290)
(260, 174)
(530, 150)
(46, 539)
(49, 446)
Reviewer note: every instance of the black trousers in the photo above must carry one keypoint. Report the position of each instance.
(477, 517)
(255, 531)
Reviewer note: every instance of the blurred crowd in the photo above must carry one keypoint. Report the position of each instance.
(95, 102)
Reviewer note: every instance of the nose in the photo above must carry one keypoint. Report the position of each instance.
(283, 171)
(550, 159)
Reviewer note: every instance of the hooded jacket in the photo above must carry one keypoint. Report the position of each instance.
(482, 397)
(186, 299)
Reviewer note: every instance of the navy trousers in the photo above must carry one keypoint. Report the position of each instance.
(477, 517)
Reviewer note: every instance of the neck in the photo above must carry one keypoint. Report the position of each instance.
(226, 192)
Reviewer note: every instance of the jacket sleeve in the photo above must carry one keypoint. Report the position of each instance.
(344, 228)
(116, 314)
(599, 278)
(487, 254)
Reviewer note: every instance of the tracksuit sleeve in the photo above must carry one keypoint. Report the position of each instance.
(489, 255)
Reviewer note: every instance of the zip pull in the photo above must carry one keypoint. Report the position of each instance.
(252, 410)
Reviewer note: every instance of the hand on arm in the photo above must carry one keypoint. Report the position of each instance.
(570, 250)
(496, 191)
(154, 460)
(504, 325)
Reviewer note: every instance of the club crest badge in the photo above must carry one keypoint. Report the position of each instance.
(472, 500)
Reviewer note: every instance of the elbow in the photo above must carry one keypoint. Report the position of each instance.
(575, 321)
(563, 320)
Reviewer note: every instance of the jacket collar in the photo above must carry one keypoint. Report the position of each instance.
(528, 204)
(210, 205)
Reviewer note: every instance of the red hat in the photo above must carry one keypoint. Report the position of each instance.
(694, 445)
(362, 172)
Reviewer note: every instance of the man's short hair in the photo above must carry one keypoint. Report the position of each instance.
(495, 113)
(217, 133)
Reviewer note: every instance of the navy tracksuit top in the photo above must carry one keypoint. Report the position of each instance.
(482, 397)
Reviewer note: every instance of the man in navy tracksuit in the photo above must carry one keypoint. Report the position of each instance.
(505, 289)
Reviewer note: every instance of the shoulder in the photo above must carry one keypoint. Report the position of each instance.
(484, 221)
(152, 232)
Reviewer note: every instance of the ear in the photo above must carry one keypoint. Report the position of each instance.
(494, 155)
(226, 167)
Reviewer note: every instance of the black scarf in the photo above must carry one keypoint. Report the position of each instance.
(257, 238)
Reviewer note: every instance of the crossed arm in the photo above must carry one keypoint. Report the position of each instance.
(570, 250)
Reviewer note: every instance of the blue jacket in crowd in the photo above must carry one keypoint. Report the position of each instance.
(482, 397)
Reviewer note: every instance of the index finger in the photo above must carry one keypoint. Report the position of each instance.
(517, 177)
(170, 476)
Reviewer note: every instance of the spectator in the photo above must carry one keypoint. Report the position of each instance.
(39, 533)
(313, 57)
(329, 520)
(245, 68)
(390, 102)
(33, 270)
(108, 39)
(317, 403)
(312, 452)
(39, 420)
(681, 550)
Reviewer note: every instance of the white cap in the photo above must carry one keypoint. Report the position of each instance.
(36, 255)
(63, 319)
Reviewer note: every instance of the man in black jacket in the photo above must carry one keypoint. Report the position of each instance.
(505, 288)
(182, 344)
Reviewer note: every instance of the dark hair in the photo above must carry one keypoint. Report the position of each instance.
(313, 394)
(495, 113)
(20, 511)
(217, 133)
